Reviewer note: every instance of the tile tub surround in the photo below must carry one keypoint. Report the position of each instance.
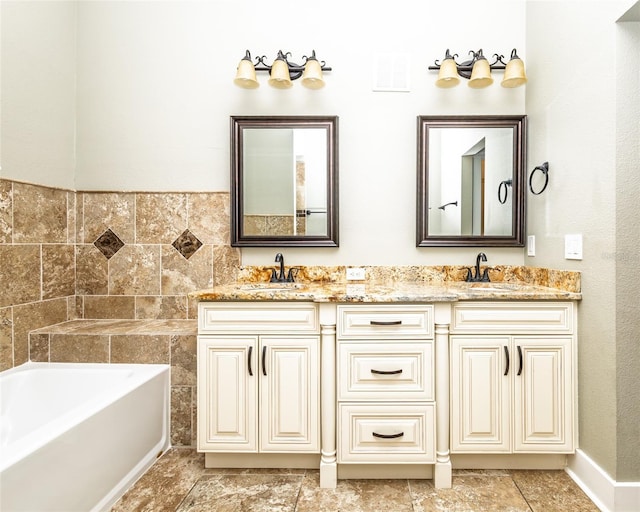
(52, 252)
(179, 482)
(171, 342)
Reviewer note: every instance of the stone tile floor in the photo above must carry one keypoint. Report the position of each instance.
(178, 482)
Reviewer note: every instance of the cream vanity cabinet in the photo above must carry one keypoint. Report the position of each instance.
(512, 377)
(258, 377)
(385, 384)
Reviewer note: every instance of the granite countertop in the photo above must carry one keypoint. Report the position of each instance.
(392, 285)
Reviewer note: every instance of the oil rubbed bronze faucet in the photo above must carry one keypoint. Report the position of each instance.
(279, 277)
(484, 278)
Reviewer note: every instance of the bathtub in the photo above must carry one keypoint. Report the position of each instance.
(74, 437)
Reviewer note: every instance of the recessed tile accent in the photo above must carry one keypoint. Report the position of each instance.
(187, 244)
(108, 243)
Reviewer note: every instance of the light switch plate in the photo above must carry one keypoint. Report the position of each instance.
(531, 245)
(573, 247)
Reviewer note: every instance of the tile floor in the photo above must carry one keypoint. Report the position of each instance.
(178, 482)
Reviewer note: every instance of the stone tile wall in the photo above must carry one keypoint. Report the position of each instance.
(37, 264)
(68, 255)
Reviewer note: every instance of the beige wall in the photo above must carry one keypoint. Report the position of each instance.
(154, 92)
(580, 123)
(38, 92)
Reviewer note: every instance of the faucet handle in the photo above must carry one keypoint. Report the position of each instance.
(469, 275)
(485, 276)
(274, 276)
(293, 272)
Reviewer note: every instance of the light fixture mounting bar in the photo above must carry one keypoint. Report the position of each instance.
(465, 68)
(295, 70)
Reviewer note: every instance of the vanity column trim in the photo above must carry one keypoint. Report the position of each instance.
(328, 460)
(442, 472)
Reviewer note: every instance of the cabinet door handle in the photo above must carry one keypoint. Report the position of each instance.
(382, 322)
(249, 360)
(264, 360)
(386, 372)
(388, 436)
(521, 359)
(506, 353)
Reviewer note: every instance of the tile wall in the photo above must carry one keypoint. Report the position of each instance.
(67, 255)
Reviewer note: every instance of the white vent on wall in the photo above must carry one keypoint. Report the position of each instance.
(391, 72)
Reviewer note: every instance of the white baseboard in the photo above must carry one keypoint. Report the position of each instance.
(606, 493)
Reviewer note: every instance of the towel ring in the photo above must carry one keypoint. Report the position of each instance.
(544, 168)
(506, 183)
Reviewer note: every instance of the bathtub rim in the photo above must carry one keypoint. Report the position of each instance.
(11, 454)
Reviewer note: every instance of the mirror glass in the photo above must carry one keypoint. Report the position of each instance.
(471, 181)
(284, 187)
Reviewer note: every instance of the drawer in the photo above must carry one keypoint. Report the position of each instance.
(379, 433)
(513, 318)
(386, 371)
(392, 321)
(258, 317)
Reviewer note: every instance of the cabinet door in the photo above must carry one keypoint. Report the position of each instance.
(289, 394)
(543, 394)
(227, 393)
(480, 394)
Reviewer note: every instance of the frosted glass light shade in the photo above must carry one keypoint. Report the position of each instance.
(280, 78)
(448, 75)
(312, 75)
(246, 75)
(514, 74)
(480, 74)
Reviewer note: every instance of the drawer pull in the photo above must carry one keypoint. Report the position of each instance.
(386, 372)
(388, 436)
(381, 322)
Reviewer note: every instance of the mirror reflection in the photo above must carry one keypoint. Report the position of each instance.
(284, 189)
(470, 174)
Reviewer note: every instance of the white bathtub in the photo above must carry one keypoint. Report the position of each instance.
(74, 437)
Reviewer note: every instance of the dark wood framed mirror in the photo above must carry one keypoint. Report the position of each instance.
(284, 181)
(471, 181)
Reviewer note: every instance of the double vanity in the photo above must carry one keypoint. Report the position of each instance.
(389, 377)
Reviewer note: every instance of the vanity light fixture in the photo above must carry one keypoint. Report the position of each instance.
(281, 72)
(478, 70)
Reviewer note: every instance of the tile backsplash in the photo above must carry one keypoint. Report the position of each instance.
(68, 255)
